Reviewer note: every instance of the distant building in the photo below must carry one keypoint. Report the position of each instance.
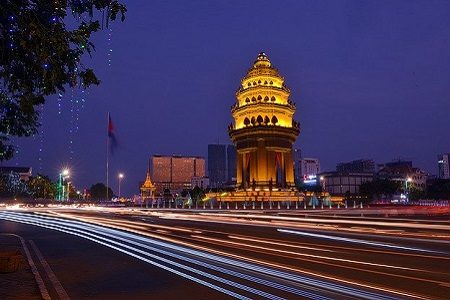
(201, 182)
(308, 167)
(175, 172)
(231, 164)
(217, 165)
(405, 173)
(357, 166)
(297, 168)
(24, 172)
(341, 183)
(444, 166)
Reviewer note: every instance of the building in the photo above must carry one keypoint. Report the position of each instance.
(175, 172)
(342, 183)
(358, 166)
(444, 166)
(217, 165)
(24, 173)
(201, 182)
(231, 164)
(308, 167)
(147, 188)
(263, 130)
(405, 173)
(297, 168)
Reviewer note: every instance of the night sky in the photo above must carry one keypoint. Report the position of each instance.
(371, 79)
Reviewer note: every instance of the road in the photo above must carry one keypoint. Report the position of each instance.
(252, 254)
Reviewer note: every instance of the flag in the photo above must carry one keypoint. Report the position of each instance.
(111, 135)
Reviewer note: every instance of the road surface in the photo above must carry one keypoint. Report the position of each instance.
(241, 254)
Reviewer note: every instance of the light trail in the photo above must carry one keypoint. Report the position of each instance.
(110, 236)
(357, 241)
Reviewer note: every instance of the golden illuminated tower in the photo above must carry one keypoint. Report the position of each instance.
(147, 188)
(263, 129)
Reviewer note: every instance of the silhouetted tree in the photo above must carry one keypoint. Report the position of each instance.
(98, 192)
(39, 56)
(42, 187)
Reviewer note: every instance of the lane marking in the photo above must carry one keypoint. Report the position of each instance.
(54, 280)
(44, 292)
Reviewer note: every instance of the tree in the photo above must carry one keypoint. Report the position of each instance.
(378, 188)
(439, 189)
(197, 195)
(41, 187)
(40, 56)
(98, 192)
(12, 186)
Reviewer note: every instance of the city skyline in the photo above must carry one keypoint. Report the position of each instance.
(336, 70)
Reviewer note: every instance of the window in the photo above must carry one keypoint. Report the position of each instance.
(272, 98)
(274, 120)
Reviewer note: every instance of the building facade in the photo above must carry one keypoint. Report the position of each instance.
(263, 130)
(342, 183)
(175, 172)
(358, 166)
(201, 182)
(308, 167)
(231, 164)
(444, 166)
(404, 172)
(217, 165)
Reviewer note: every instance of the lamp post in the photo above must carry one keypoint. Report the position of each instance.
(63, 175)
(409, 179)
(120, 177)
(322, 181)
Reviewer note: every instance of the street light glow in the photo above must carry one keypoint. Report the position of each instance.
(121, 175)
(65, 172)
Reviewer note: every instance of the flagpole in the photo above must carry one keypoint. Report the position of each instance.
(107, 158)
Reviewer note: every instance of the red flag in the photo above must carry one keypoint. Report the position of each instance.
(111, 135)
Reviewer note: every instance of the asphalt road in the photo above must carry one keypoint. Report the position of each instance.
(115, 253)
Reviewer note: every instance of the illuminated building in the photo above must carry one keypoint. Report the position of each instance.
(308, 167)
(263, 130)
(444, 166)
(147, 188)
(175, 172)
(199, 181)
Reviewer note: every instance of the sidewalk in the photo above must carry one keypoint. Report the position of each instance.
(20, 284)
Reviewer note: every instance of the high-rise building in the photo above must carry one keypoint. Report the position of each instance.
(231, 164)
(357, 166)
(217, 165)
(263, 129)
(444, 166)
(175, 172)
(297, 153)
(308, 167)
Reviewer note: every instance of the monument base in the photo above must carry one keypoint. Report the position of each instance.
(257, 195)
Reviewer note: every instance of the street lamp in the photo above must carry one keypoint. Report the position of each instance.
(63, 175)
(322, 180)
(120, 177)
